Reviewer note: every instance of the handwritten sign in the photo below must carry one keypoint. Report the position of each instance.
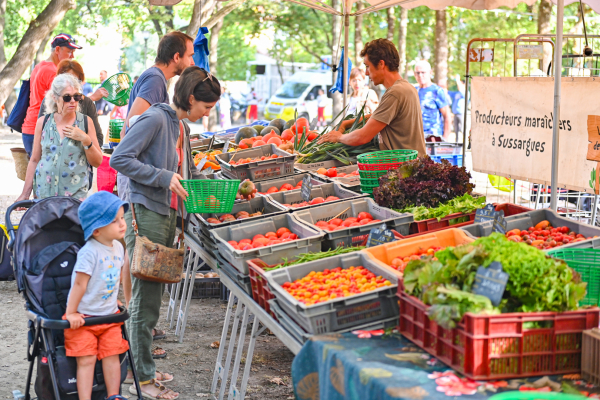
(379, 236)
(500, 224)
(530, 52)
(487, 213)
(593, 153)
(201, 163)
(306, 189)
(491, 282)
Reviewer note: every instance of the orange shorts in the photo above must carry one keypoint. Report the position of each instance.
(97, 340)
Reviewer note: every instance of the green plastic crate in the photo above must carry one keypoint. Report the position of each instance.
(587, 263)
(387, 156)
(210, 195)
(118, 87)
(518, 395)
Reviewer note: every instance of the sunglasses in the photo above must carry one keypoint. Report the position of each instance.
(77, 97)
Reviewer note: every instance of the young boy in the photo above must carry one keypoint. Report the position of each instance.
(94, 291)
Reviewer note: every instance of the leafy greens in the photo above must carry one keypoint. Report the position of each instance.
(463, 204)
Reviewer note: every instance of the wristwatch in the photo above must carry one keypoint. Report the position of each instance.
(88, 147)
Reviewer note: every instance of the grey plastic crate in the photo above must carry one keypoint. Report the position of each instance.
(356, 235)
(309, 240)
(300, 335)
(293, 180)
(259, 203)
(341, 313)
(325, 190)
(525, 220)
(257, 170)
(242, 280)
(202, 144)
(351, 182)
(315, 166)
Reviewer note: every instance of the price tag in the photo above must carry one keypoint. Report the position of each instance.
(491, 282)
(487, 213)
(201, 163)
(379, 236)
(212, 141)
(306, 189)
(500, 224)
(225, 147)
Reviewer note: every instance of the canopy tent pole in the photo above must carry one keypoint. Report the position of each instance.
(560, 6)
(346, 55)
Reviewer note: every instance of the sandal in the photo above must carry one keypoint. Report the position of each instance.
(160, 395)
(162, 378)
(158, 334)
(116, 397)
(155, 355)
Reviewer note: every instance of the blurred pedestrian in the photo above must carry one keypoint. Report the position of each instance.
(225, 109)
(252, 113)
(458, 106)
(434, 103)
(321, 103)
(361, 94)
(103, 107)
(63, 47)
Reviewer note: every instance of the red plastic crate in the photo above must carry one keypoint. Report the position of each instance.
(260, 289)
(501, 346)
(418, 228)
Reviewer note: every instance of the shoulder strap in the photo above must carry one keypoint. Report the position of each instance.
(46, 119)
(85, 123)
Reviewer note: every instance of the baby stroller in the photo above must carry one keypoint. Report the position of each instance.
(44, 253)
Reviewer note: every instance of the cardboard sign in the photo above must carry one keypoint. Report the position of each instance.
(593, 153)
(226, 146)
(512, 124)
(379, 236)
(530, 52)
(481, 55)
(500, 224)
(487, 213)
(201, 163)
(306, 189)
(491, 282)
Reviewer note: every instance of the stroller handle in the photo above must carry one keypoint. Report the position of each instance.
(9, 226)
(48, 323)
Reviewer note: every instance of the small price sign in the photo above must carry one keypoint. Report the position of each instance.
(212, 142)
(379, 236)
(487, 213)
(500, 224)
(225, 147)
(201, 163)
(491, 282)
(306, 189)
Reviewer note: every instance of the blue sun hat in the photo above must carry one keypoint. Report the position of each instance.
(99, 210)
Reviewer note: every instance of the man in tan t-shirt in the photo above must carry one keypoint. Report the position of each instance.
(398, 118)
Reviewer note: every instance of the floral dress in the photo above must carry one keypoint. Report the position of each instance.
(63, 166)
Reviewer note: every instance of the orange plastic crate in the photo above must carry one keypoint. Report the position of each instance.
(501, 346)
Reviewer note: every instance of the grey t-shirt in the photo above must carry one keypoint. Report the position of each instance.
(152, 87)
(103, 264)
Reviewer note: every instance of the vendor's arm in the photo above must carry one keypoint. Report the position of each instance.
(447, 121)
(355, 138)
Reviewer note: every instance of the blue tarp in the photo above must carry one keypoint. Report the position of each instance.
(201, 49)
(340, 73)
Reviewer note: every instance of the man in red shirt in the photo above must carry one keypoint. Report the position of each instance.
(63, 47)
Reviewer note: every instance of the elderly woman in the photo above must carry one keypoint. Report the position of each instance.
(62, 149)
(154, 155)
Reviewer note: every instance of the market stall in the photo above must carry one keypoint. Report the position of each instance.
(338, 269)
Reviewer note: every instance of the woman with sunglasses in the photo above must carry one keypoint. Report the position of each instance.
(61, 149)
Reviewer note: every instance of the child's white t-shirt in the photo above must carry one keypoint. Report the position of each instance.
(103, 264)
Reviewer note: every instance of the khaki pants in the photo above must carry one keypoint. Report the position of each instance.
(145, 295)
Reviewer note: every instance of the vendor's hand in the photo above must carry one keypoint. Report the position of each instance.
(248, 197)
(175, 186)
(332, 137)
(76, 320)
(98, 94)
(74, 133)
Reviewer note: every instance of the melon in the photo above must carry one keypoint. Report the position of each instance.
(258, 128)
(278, 123)
(245, 133)
(289, 124)
(270, 128)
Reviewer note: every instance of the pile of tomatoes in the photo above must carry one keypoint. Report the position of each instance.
(284, 188)
(249, 160)
(333, 173)
(400, 263)
(315, 201)
(544, 236)
(336, 224)
(268, 239)
(229, 217)
(317, 287)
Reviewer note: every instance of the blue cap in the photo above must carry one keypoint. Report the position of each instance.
(99, 210)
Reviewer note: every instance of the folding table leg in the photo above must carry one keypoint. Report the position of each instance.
(177, 289)
(184, 308)
(240, 394)
(230, 347)
(238, 353)
(219, 365)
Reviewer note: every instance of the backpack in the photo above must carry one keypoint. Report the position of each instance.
(19, 111)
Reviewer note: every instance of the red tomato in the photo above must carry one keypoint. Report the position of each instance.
(284, 235)
(270, 234)
(257, 236)
(299, 126)
(375, 220)
(364, 215)
(317, 200)
(233, 242)
(354, 224)
(336, 222)
(293, 236)
(331, 198)
(257, 245)
(312, 135)
(272, 189)
(245, 241)
(321, 223)
(365, 221)
(286, 186)
(349, 221)
(287, 134)
(247, 246)
(274, 241)
(281, 231)
(331, 173)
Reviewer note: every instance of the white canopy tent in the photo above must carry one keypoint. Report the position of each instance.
(375, 5)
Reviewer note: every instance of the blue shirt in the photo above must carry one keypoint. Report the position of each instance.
(151, 86)
(458, 102)
(432, 99)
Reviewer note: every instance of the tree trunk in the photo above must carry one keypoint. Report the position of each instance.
(358, 41)
(402, 40)
(222, 13)
(12, 97)
(169, 22)
(213, 42)
(390, 22)
(196, 20)
(544, 15)
(38, 29)
(336, 23)
(441, 49)
(39, 55)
